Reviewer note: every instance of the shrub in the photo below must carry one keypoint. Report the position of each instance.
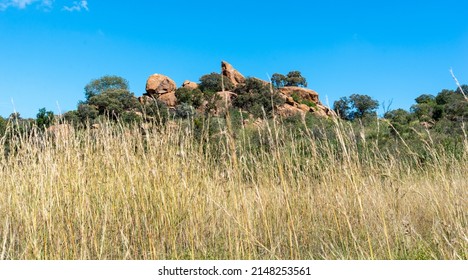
(255, 97)
(213, 83)
(192, 97)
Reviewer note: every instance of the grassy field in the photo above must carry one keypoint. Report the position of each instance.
(175, 193)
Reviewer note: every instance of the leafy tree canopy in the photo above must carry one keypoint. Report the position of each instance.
(44, 118)
(106, 83)
(293, 78)
(213, 83)
(255, 97)
(355, 106)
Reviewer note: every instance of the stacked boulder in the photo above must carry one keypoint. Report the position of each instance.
(162, 88)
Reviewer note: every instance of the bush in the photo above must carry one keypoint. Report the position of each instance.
(193, 97)
(184, 111)
(44, 118)
(213, 83)
(255, 97)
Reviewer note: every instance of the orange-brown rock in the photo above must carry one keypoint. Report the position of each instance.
(168, 98)
(303, 107)
(303, 93)
(224, 101)
(158, 84)
(190, 85)
(232, 74)
(287, 110)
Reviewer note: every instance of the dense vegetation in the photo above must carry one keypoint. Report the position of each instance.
(153, 182)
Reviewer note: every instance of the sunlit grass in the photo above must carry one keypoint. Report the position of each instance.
(173, 193)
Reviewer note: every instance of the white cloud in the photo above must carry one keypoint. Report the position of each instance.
(21, 4)
(77, 6)
(45, 4)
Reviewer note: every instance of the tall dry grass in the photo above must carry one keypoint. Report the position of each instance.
(164, 193)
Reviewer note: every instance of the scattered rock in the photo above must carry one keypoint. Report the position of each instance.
(232, 74)
(287, 110)
(190, 85)
(427, 125)
(158, 84)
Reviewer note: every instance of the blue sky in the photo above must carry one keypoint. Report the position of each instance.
(390, 50)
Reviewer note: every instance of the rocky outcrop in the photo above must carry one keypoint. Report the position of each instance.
(298, 100)
(162, 88)
(303, 99)
(158, 84)
(190, 85)
(232, 74)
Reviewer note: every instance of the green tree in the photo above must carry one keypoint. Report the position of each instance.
(72, 117)
(193, 97)
(294, 78)
(278, 80)
(103, 84)
(355, 106)
(255, 97)
(399, 120)
(425, 99)
(213, 83)
(3, 125)
(87, 112)
(114, 102)
(343, 108)
(44, 118)
(363, 105)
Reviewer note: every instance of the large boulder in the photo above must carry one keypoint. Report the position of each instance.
(232, 74)
(158, 84)
(302, 93)
(169, 99)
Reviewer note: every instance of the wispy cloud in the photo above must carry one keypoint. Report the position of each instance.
(45, 4)
(77, 6)
(20, 4)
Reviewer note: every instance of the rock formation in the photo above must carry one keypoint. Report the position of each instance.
(302, 93)
(232, 74)
(303, 99)
(163, 88)
(298, 100)
(159, 84)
